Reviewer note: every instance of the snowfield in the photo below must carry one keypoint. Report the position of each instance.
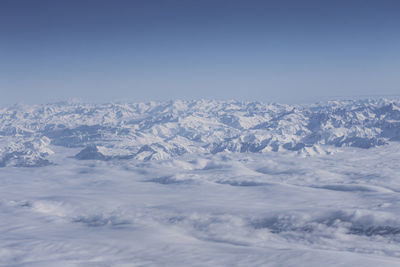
(200, 183)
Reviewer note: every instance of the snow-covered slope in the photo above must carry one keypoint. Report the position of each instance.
(161, 130)
(200, 183)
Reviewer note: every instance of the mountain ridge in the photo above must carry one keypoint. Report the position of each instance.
(162, 130)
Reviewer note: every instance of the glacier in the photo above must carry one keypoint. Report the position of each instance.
(200, 183)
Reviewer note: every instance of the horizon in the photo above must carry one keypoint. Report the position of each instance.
(361, 98)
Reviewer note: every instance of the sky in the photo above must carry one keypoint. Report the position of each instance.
(141, 50)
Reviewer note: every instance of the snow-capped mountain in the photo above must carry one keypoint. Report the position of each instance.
(161, 130)
(194, 183)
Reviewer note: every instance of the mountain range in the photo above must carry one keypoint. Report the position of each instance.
(29, 134)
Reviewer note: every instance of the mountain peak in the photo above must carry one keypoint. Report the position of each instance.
(159, 130)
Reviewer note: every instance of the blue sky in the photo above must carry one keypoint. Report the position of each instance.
(272, 51)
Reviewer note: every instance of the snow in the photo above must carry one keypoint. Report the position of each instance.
(152, 185)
